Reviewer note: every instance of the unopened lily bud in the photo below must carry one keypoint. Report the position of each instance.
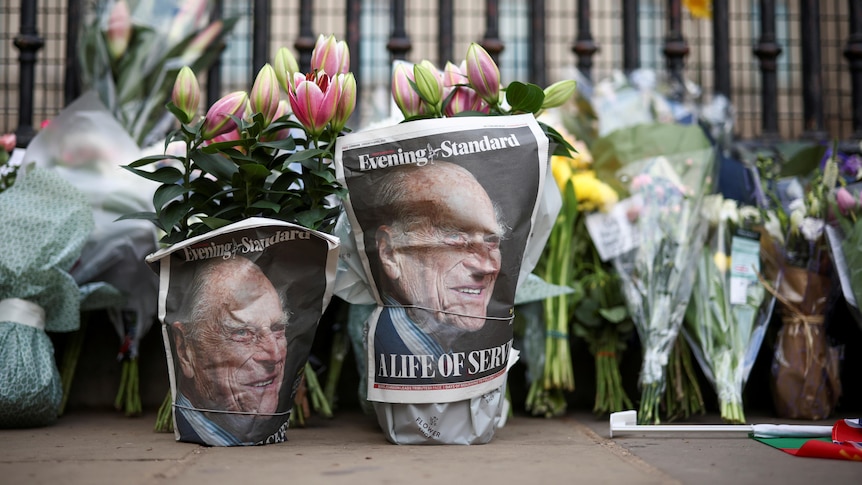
(430, 88)
(558, 93)
(119, 31)
(346, 102)
(202, 42)
(483, 74)
(264, 95)
(330, 56)
(406, 98)
(845, 200)
(218, 118)
(187, 93)
(285, 67)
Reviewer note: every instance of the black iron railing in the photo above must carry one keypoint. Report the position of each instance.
(766, 51)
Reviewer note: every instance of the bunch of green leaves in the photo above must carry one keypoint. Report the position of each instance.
(216, 184)
(602, 320)
(135, 85)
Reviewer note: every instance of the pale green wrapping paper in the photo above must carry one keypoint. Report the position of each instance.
(45, 223)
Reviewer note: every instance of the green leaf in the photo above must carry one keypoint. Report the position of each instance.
(149, 216)
(165, 194)
(165, 175)
(615, 315)
(254, 173)
(800, 159)
(171, 216)
(285, 144)
(524, 98)
(304, 155)
(217, 165)
(214, 222)
(265, 204)
(150, 159)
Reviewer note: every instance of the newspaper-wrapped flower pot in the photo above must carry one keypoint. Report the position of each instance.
(441, 211)
(239, 308)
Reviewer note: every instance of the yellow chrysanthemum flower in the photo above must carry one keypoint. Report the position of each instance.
(592, 193)
(700, 9)
(561, 167)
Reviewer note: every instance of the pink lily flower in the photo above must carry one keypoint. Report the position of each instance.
(330, 56)
(119, 31)
(218, 118)
(483, 74)
(314, 98)
(264, 95)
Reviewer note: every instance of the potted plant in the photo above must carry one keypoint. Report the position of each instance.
(444, 212)
(247, 197)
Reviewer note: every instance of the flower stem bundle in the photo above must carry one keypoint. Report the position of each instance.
(546, 395)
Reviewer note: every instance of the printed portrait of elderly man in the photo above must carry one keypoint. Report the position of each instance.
(230, 355)
(439, 252)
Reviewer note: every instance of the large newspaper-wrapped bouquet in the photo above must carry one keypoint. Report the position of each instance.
(443, 213)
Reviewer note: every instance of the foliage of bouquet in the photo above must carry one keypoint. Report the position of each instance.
(255, 154)
(238, 160)
(130, 51)
(794, 193)
(729, 311)
(472, 88)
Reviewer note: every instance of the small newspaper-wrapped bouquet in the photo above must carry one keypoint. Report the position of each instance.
(249, 269)
(239, 308)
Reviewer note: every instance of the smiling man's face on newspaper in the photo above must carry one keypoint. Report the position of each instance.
(450, 260)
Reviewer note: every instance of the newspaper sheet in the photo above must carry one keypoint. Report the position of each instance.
(441, 211)
(239, 308)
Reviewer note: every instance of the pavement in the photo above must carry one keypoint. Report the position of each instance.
(95, 447)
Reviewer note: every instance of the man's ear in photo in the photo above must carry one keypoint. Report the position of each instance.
(386, 252)
(184, 352)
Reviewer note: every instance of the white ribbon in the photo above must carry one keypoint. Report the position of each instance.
(23, 312)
